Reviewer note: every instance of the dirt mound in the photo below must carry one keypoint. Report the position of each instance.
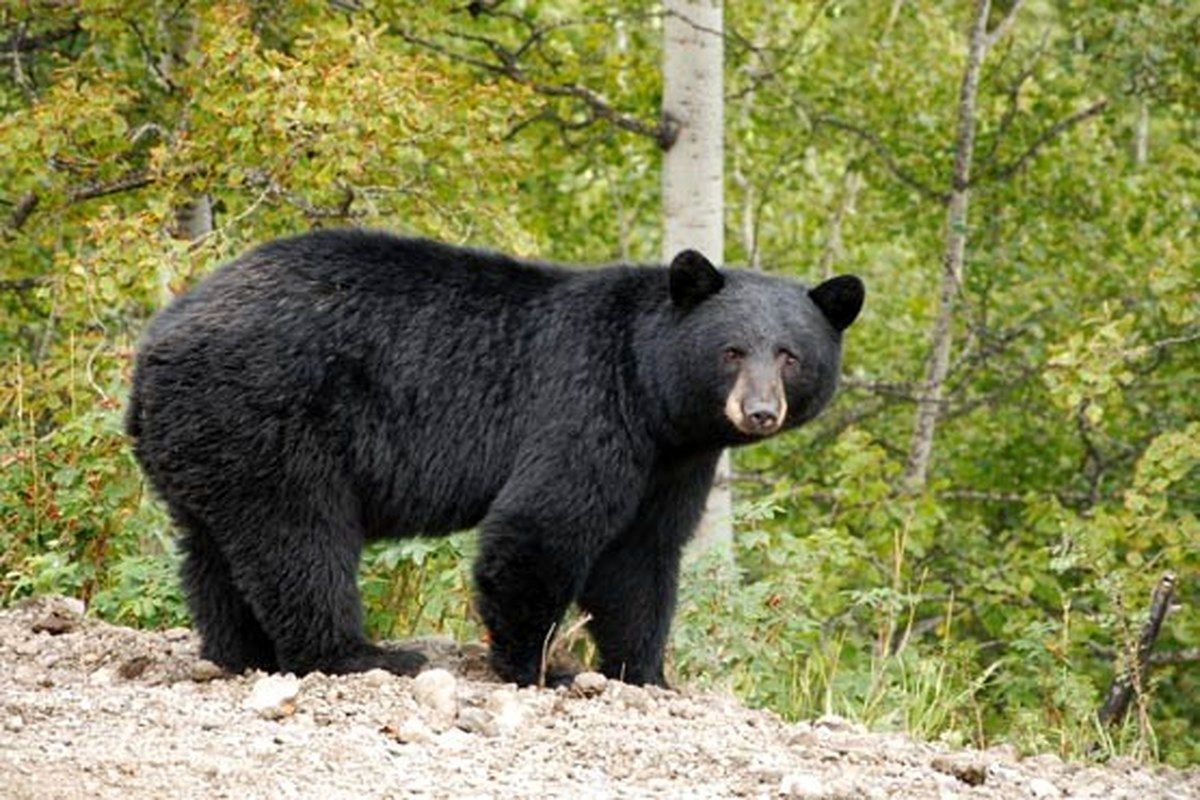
(90, 710)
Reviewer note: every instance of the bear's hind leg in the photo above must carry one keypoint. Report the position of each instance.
(230, 634)
(301, 581)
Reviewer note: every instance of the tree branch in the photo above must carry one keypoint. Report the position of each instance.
(135, 179)
(884, 155)
(507, 65)
(1005, 25)
(1007, 171)
(21, 211)
(1131, 679)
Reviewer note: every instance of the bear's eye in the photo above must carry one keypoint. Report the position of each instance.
(789, 359)
(734, 354)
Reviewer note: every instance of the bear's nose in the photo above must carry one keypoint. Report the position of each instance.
(762, 417)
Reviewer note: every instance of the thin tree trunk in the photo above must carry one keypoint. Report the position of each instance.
(929, 404)
(1141, 133)
(832, 252)
(1128, 682)
(693, 177)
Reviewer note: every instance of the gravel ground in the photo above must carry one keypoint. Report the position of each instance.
(90, 710)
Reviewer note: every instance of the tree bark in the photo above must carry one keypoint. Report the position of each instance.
(929, 404)
(1131, 680)
(1141, 133)
(832, 251)
(693, 177)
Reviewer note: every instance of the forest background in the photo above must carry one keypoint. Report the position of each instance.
(992, 597)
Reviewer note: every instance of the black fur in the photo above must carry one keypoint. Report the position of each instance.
(332, 388)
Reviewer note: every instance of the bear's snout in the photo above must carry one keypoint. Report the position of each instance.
(757, 404)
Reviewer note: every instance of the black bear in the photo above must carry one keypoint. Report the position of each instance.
(329, 389)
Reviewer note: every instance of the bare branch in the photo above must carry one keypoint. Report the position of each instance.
(21, 211)
(1131, 680)
(1005, 25)
(1007, 171)
(884, 155)
(1189, 656)
(136, 179)
(507, 66)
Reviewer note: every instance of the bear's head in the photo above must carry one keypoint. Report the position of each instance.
(749, 355)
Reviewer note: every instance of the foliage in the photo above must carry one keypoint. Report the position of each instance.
(994, 604)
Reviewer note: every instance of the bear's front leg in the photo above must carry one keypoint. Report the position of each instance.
(524, 582)
(630, 591)
(540, 538)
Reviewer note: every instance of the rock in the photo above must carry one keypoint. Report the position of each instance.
(14, 724)
(134, 667)
(475, 720)
(376, 677)
(413, 731)
(437, 690)
(177, 634)
(1040, 787)
(507, 710)
(62, 615)
(968, 768)
(274, 696)
(802, 737)
(589, 684)
(28, 647)
(837, 724)
(634, 697)
(802, 784)
(204, 671)
(105, 676)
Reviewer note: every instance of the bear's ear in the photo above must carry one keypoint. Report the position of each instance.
(840, 299)
(693, 278)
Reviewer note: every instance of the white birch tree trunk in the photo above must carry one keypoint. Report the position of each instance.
(929, 404)
(693, 178)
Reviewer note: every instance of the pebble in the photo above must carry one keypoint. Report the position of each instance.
(589, 684)
(274, 696)
(204, 671)
(1040, 787)
(377, 677)
(413, 731)
(476, 720)
(14, 724)
(437, 690)
(634, 697)
(802, 784)
(838, 724)
(508, 712)
(967, 768)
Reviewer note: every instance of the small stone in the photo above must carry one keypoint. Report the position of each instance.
(14, 724)
(838, 724)
(134, 667)
(105, 676)
(507, 710)
(176, 634)
(28, 647)
(437, 690)
(413, 731)
(274, 697)
(62, 615)
(475, 720)
(634, 697)
(968, 769)
(204, 671)
(589, 684)
(802, 784)
(377, 677)
(1040, 787)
